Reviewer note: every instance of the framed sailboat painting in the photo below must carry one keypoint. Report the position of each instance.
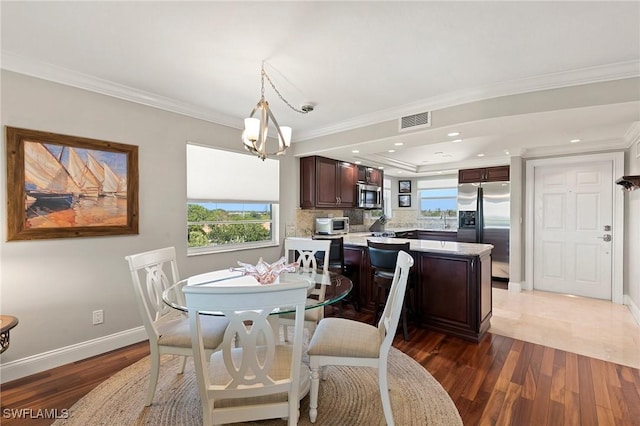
(62, 186)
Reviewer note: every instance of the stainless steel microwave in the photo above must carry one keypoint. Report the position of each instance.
(332, 225)
(369, 196)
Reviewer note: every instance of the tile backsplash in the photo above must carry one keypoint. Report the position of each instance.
(361, 220)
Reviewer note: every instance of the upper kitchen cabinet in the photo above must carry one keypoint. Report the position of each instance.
(370, 175)
(327, 183)
(485, 174)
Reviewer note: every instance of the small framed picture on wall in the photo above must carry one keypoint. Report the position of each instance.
(404, 186)
(404, 200)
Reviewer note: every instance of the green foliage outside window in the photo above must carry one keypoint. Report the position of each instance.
(220, 227)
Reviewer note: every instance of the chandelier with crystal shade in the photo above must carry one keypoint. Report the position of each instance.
(254, 135)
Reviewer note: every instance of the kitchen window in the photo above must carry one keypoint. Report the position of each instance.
(438, 202)
(232, 201)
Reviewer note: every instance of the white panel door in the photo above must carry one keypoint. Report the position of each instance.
(573, 211)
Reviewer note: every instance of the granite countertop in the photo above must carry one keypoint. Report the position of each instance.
(451, 247)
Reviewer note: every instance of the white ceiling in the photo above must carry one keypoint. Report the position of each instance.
(360, 63)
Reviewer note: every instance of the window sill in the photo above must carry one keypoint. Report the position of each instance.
(198, 251)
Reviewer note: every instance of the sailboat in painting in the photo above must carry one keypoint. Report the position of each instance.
(46, 179)
(111, 184)
(82, 175)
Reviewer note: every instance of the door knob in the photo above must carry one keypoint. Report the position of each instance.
(606, 237)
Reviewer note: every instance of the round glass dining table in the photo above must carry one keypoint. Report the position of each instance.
(337, 287)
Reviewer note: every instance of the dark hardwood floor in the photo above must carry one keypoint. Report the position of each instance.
(500, 381)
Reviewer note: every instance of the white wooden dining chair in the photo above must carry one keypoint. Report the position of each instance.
(344, 342)
(152, 273)
(254, 376)
(303, 251)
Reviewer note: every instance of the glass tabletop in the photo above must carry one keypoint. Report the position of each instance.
(337, 287)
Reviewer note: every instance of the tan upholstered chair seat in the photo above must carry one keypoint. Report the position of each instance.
(178, 334)
(345, 338)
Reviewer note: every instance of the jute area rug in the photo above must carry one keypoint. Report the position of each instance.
(349, 396)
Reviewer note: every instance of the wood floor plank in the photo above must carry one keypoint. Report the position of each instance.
(558, 381)
(546, 366)
(572, 382)
(588, 414)
(510, 405)
(600, 388)
(555, 415)
(542, 399)
(571, 408)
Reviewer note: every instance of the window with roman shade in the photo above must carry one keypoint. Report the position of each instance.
(232, 200)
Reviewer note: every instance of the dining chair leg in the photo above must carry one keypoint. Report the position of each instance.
(384, 393)
(405, 328)
(313, 393)
(153, 378)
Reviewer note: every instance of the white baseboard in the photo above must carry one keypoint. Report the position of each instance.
(45, 361)
(517, 287)
(635, 311)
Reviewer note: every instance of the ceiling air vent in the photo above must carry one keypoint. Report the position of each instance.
(415, 121)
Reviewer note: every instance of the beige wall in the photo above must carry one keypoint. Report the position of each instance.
(632, 228)
(53, 286)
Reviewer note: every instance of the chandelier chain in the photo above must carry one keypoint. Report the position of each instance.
(264, 74)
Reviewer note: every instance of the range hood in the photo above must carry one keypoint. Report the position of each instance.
(629, 183)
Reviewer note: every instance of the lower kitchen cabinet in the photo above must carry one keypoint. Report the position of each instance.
(452, 292)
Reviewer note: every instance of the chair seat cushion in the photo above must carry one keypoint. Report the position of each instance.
(280, 370)
(342, 337)
(177, 333)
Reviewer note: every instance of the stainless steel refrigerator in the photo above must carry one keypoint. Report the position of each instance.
(484, 217)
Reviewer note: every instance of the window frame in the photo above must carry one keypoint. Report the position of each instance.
(273, 241)
(421, 198)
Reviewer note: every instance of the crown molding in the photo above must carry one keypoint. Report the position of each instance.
(19, 64)
(45, 71)
(597, 74)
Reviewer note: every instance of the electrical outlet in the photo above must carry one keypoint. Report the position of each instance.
(98, 317)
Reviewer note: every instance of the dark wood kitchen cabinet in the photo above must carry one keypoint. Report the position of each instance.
(485, 174)
(327, 183)
(370, 176)
(452, 291)
(454, 294)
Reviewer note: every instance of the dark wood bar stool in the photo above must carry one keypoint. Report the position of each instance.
(383, 258)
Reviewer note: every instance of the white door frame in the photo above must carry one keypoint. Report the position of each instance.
(617, 160)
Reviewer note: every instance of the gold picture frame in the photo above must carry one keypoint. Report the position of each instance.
(61, 186)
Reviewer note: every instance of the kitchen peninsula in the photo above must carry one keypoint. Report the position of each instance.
(451, 291)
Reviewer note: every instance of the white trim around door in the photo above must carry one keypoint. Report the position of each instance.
(617, 163)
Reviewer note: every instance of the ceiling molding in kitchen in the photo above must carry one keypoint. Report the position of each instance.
(27, 66)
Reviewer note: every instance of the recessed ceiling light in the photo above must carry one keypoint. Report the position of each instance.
(358, 162)
(399, 143)
(480, 155)
(392, 150)
(452, 134)
(456, 140)
(355, 151)
(399, 172)
(380, 168)
(507, 152)
(574, 140)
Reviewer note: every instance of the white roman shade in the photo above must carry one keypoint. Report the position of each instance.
(215, 174)
(438, 182)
